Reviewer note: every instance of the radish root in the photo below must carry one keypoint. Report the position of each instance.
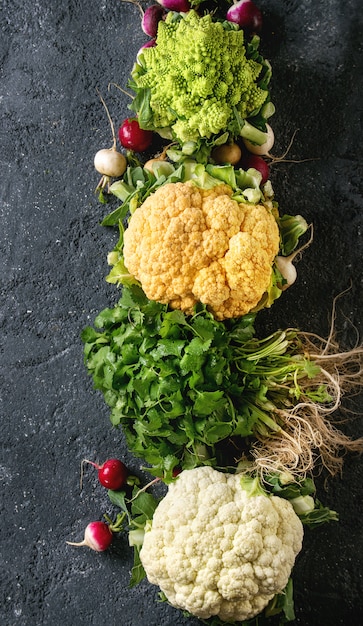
(282, 158)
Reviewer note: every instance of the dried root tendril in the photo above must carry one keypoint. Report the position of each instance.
(283, 159)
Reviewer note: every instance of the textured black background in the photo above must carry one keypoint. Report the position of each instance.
(54, 56)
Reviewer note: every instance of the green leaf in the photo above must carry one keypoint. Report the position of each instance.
(129, 353)
(170, 320)
(118, 498)
(137, 571)
(223, 173)
(291, 229)
(204, 327)
(121, 190)
(168, 347)
(217, 432)
(90, 335)
(282, 602)
(198, 346)
(108, 317)
(292, 489)
(116, 216)
(141, 104)
(208, 401)
(119, 274)
(133, 296)
(320, 515)
(143, 505)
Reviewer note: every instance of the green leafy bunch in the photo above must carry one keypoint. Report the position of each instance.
(201, 79)
(180, 386)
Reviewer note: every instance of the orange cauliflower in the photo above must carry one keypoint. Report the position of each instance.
(186, 244)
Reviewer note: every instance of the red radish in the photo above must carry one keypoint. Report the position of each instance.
(97, 536)
(151, 18)
(258, 163)
(181, 6)
(112, 474)
(246, 15)
(133, 137)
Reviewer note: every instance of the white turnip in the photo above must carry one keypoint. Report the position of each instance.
(227, 153)
(108, 161)
(159, 158)
(264, 149)
(286, 266)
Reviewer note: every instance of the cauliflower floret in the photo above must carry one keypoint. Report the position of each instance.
(230, 556)
(185, 244)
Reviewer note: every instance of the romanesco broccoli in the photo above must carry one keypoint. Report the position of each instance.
(199, 80)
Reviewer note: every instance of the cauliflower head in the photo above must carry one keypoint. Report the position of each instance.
(186, 244)
(215, 550)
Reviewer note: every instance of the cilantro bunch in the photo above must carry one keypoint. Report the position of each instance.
(182, 386)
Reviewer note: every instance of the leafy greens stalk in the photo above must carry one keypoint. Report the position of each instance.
(183, 386)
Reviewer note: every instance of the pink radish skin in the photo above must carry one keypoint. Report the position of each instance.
(151, 18)
(149, 44)
(181, 6)
(97, 536)
(112, 474)
(246, 15)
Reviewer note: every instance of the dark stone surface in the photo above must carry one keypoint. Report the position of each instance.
(54, 55)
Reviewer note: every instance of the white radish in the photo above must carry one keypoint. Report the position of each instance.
(286, 266)
(108, 161)
(157, 159)
(265, 148)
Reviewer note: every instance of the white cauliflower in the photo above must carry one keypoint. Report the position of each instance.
(216, 550)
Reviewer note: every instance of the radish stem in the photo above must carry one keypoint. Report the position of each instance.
(109, 119)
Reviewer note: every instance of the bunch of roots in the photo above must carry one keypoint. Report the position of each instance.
(310, 436)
